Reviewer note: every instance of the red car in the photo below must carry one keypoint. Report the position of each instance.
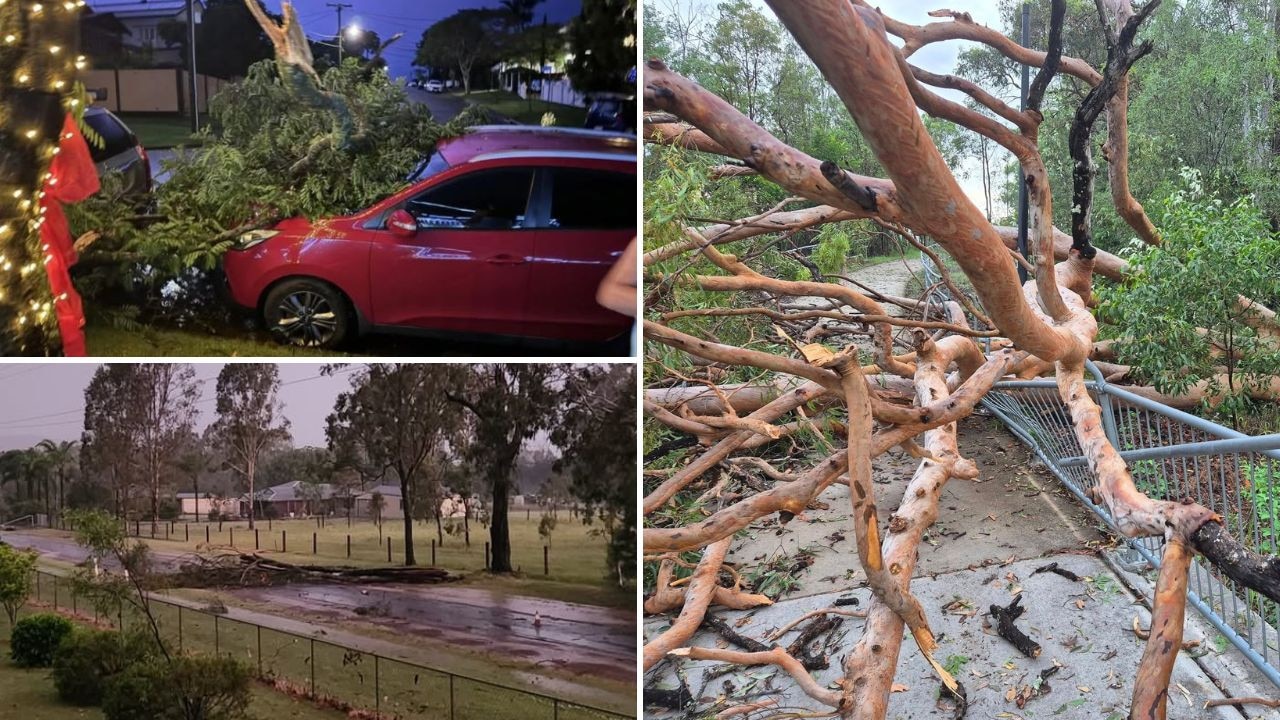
(506, 230)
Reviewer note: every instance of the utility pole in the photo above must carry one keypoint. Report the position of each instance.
(191, 74)
(339, 7)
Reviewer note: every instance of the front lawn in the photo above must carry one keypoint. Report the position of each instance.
(524, 111)
(112, 342)
(156, 131)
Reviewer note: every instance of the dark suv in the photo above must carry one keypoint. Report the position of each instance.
(121, 152)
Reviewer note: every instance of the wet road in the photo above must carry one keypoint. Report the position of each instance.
(443, 106)
(578, 639)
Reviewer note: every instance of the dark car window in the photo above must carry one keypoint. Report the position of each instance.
(430, 167)
(115, 135)
(592, 200)
(484, 200)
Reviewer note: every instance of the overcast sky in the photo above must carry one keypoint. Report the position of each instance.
(47, 400)
(411, 17)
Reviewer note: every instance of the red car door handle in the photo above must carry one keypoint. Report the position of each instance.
(505, 260)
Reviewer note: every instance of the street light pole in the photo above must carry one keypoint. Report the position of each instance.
(191, 73)
(339, 7)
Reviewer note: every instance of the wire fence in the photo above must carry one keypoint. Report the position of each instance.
(325, 671)
(1171, 455)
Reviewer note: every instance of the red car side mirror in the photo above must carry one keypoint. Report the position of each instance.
(402, 224)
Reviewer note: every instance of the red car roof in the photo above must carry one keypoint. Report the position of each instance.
(489, 139)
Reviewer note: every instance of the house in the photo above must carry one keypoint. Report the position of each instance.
(142, 20)
(293, 499)
(200, 505)
(393, 504)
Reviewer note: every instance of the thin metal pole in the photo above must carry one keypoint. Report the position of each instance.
(191, 74)
(1022, 178)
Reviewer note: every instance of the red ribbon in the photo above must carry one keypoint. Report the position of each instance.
(72, 179)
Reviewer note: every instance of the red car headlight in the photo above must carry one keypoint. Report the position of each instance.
(254, 238)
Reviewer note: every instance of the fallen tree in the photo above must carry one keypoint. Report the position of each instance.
(233, 569)
(927, 369)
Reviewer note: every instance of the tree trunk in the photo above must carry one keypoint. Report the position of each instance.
(250, 470)
(407, 498)
(499, 531)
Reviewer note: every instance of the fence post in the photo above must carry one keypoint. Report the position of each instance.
(1104, 399)
(180, 649)
(433, 551)
(257, 541)
(38, 574)
(313, 668)
(187, 529)
(348, 546)
(259, 627)
(546, 559)
(55, 593)
(314, 551)
(388, 550)
(231, 537)
(206, 534)
(377, 686)
(486, 556)
(452, 716)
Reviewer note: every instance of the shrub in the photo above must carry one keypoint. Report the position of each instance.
(16, 568)
(35, 639)
(87, 659)
(188, 688)
(169, 510)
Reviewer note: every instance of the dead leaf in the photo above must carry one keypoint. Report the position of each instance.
(898, 687)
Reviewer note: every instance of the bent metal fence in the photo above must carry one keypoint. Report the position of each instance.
(325, 671)
(1172, 455)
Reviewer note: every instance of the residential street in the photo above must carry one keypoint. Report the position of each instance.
(443, 106)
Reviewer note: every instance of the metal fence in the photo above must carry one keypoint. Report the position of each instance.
(323, 670)
(1171, 455)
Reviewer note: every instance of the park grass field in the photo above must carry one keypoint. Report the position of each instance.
(575, 554)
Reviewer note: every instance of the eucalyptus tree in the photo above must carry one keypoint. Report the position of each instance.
(730, 375)
(508, 405)
(110, 441)
(398, 417)
(250, 419)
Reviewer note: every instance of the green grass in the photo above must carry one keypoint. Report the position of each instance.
(525, 111)
(157, 131)
(577, 554)
(106, 341)
(30, 694)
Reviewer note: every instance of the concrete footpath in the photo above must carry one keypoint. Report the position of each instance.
(992, 535)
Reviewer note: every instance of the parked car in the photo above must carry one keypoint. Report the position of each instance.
(505, 230)
(435, 86)
(612, 112)
(120, 151)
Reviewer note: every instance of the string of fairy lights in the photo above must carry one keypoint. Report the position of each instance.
(38, 54)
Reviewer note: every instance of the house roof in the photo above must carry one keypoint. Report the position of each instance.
(290, 491)
(145, 8)
(383, 490)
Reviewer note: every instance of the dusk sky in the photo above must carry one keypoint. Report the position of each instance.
(47, 400)
(411, 17)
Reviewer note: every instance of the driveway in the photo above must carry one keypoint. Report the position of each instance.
(443, 106)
